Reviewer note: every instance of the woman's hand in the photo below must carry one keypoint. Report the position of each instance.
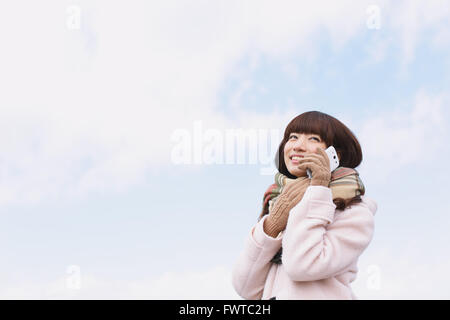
(319, 164)
(291, 195)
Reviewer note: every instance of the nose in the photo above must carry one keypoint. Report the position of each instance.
(299, 145)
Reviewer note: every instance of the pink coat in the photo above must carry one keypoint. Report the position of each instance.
(321, 246)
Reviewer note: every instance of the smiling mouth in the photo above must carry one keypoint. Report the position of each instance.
(295, 159)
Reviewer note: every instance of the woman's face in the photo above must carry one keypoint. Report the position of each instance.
(300, 144)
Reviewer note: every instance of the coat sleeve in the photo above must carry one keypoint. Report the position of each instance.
(251, 268)
(317, 245)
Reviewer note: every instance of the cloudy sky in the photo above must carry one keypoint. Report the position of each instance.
(120, 125)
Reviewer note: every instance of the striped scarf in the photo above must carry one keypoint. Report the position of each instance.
(345, 183)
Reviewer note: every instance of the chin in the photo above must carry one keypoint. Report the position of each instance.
(296, 172)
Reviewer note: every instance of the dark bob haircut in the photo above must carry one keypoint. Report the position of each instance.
(331, 131)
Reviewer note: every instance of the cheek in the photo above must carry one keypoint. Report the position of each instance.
(286, 155)
(311, 147)
(286, 149)
(323, 145)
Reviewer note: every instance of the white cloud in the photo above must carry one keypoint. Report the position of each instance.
(415, 21)
(401, 273)
(92, 110)
(383, 274)
(414, 135)
(209, 284)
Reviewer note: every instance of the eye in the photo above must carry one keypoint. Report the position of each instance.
(316, 138)
(292, 136)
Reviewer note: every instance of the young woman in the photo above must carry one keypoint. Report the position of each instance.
(311, 231)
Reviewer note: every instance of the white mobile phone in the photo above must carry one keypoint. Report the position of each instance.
(332, 156)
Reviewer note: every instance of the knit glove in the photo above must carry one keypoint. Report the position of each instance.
(277, 220)
(319, 164)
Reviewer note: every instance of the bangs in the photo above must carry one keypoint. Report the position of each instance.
(311, 122)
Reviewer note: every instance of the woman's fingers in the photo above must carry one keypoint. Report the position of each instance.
(309, 164)
(309, 160)
(317, 158)
(323, 157)
(313, 166)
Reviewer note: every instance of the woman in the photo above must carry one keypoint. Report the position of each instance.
(311, 231)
